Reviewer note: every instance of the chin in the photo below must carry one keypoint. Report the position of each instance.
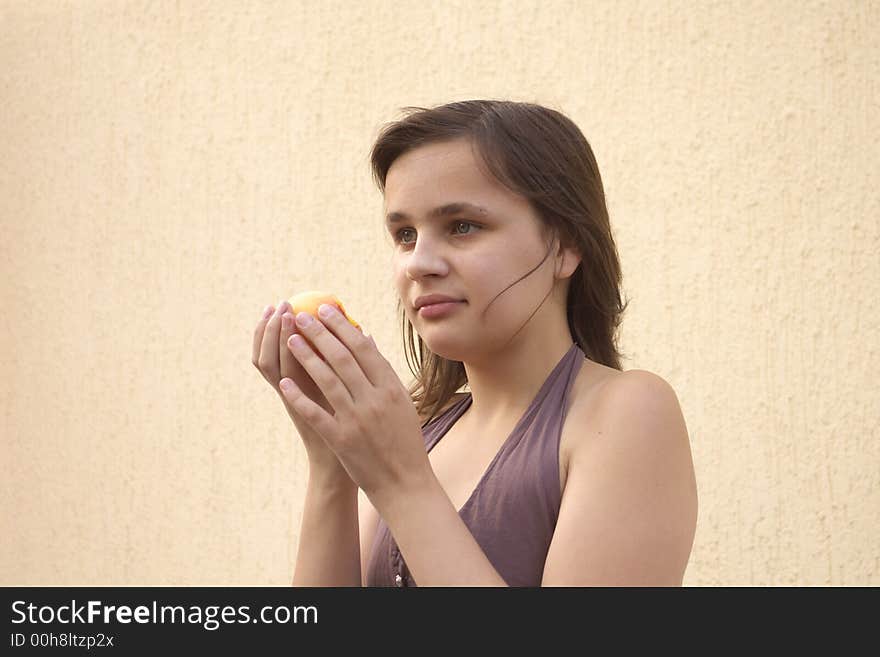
(450, 354)
(447, 346)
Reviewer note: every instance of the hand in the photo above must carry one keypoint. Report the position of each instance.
(373, 428)
(274, 361)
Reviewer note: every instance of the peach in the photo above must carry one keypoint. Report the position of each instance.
(308, 302)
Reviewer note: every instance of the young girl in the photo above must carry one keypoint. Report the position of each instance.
(555, 468)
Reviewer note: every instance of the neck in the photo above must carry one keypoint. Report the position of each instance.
(504, 383)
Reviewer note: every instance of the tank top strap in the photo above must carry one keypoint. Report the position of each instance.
(560, 388)
(556, 388)
(520, 499)
(434, 430)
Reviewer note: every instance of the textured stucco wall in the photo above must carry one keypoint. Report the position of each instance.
(169, 168)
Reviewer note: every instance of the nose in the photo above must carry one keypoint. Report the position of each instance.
(426, 259)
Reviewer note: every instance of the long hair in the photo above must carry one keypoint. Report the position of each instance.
(543, 156)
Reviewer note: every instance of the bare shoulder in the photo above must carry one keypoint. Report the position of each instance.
(629, 510)
(631, 408)
(638, 386)
(635, 406)
(638, 430)
(641, 398)
(602, 390)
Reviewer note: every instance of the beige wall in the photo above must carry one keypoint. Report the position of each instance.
(169, 168)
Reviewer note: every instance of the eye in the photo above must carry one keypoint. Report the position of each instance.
(464, 223)
(398, 236)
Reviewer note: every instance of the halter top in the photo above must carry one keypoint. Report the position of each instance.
(513, 510)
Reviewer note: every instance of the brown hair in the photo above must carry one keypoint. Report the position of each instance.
(543, 156)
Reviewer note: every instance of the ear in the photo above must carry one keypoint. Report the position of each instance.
(567, 261)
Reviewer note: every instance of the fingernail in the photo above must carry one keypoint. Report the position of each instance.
(267, 311)
(303, 319)
(285, 321)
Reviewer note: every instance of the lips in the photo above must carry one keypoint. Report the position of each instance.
(432, 299)
(437, 303)
(438, 310)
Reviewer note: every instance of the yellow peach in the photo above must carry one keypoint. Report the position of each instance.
(308, 302)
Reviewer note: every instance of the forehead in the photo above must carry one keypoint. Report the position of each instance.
(435, 174)
(447, 168)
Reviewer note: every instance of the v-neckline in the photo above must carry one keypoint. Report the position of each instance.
(466, 403)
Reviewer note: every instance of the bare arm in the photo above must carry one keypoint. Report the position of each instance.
(438, 546)
(629, 509)
(328, 553)
(329, 548)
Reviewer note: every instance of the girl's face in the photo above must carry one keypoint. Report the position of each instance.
(458, 232)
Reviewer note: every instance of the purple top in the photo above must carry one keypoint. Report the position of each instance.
(512, 512)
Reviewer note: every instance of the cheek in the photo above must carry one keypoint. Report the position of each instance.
(488, 273)
(398, 277)
(401, 285)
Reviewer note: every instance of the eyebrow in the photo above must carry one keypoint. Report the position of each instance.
(442, 211)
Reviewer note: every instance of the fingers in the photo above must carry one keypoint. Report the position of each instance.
(341, 364)
(354, 342)
(288, 363)
(318, 418)
(340, 394)
(258, 335)
(268, 359)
